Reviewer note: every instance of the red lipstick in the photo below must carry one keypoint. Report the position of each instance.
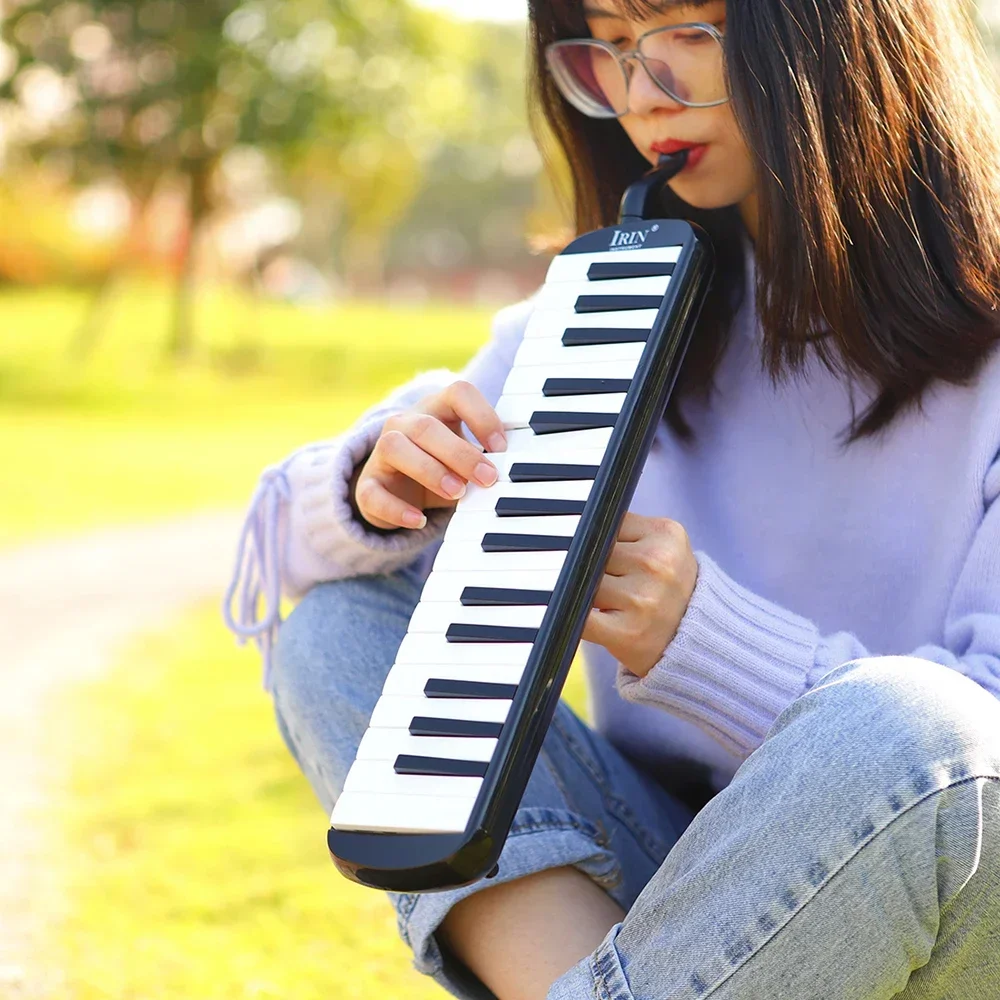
(673, 145)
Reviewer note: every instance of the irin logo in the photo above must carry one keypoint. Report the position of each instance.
(630, 238)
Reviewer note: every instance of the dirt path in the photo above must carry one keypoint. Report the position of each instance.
(66, 606)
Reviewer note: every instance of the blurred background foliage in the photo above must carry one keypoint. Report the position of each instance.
(311, 149)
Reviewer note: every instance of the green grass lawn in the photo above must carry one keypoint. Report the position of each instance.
(123, 435)
(193, 852)
(195, 860)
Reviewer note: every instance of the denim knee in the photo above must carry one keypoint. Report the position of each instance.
(903, 710)
(329, 666)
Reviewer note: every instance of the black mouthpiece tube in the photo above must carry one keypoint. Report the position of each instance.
(639, 200)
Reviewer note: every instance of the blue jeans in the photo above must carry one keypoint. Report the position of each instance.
(855, 855)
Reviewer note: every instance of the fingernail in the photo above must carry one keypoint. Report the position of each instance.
(485, 474)
(414, 520)
(453, 486)
(497, 442)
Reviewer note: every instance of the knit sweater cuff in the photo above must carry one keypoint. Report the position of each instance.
(736, 662)
(328, 520)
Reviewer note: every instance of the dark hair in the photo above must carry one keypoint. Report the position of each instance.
(874, 127)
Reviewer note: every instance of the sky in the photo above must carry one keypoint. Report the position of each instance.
(486, 10)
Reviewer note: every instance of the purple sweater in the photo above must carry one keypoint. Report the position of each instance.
(808, 556)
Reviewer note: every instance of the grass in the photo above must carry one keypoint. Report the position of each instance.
(197, 864)
(193, 859)
(123, 435)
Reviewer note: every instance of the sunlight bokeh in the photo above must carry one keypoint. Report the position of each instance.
(480, 10)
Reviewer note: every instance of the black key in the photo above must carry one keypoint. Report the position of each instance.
(581, 386)
(498, 541)
(443, 687)
(583, 336)
(427, 726)
(616, 303)
(556, 421)
(630, 269)
(494, 597)
(440, 766)
(536, 506)
(550, 472)
(462, 632)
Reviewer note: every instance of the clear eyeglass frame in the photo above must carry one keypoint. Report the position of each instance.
(622, 58)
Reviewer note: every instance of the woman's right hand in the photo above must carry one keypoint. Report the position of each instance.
(421, 460)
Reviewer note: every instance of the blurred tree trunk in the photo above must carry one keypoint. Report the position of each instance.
(363, 260)
(182, 336)
(89, 332)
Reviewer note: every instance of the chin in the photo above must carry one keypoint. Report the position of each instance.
(702, 196)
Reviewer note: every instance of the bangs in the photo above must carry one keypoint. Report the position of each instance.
(630, 8)
(556, 19)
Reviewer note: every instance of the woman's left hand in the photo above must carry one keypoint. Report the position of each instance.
(646, 588)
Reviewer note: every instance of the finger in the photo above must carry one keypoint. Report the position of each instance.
(453, 451)
(463, 401)
(601, 627)
(622, 560)
(634, 527)
(395, 452)
(611, 594)
(385, 510)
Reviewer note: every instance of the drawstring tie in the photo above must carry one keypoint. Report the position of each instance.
(258, 569)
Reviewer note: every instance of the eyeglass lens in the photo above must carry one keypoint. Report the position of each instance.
(686, 62)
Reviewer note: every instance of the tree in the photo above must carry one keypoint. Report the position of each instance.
(161, 88)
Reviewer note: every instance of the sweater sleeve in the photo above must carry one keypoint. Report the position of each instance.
(738, 660)
(301, 530)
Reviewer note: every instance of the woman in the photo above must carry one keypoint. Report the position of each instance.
(792, 787)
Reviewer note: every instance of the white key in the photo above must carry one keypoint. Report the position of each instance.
(601, 354)
(436, 616)
(486, 497)
(379, 776)
(561, 294)
(448, 586)
(554, 322)
(516, 411)
(419, 647)
(525, 439)
(464, 555)
(473, 524)
(398, 711)
(503, 460)
(411, 678)
(574, 266)
(532, 378)
(383, 813)
(388, 744)
(552, 351)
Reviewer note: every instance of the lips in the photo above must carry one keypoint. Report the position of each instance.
(696, 150)
(673, 146)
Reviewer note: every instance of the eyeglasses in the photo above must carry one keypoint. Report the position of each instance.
(686, 61)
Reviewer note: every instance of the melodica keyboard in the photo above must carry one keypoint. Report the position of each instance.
(440, 771)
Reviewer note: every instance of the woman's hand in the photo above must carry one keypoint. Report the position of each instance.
(647, 585)
(421, 460)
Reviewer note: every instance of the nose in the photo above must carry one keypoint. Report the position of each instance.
(645, 96)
